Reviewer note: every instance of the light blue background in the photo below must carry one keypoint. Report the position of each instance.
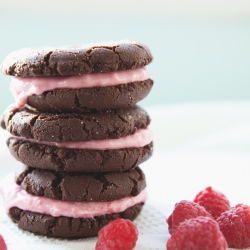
(196, 59)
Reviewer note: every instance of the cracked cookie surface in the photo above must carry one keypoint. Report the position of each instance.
(76, 60)
(77, 187)
(73, 127)
(77, 160)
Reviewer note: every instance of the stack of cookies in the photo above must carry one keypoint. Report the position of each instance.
(77, 129)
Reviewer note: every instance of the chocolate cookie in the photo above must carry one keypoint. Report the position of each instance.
(66, 227)
(79, 187)
(85, 99)
(77, 160)
(76, 60)
(71, 127)
(80, 79)
(76, 127)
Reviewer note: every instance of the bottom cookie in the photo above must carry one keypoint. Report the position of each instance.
(66, 227)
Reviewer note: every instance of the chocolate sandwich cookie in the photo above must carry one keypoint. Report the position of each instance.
(82, 186)
(65, 219)
(67, 227)
(77, 129)
(114, 140)
(80, 79)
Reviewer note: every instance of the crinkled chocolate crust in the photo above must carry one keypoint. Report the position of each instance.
(77, 187)
(77, 160)
(76, 60)
(73, 127)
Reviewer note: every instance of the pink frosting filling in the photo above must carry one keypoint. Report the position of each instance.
(15, 196)
(22, 87)
(140, 138)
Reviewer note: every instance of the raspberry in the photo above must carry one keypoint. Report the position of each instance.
(2, 243)
(185, 210)
(235, 225)
(213, 201)
(197, 233)
(119, 234)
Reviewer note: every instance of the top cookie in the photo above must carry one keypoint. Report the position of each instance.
(69, 61)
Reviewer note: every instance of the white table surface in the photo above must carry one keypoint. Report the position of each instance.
(196, 146)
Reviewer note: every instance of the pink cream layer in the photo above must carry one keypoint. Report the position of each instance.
(15, 196)
(23, 87)
(140, 138)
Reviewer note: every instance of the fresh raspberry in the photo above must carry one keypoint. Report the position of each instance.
(185, 210)
(2, 243)
(213, 201)
(235, 225)
(119, 234)
(197, 233)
